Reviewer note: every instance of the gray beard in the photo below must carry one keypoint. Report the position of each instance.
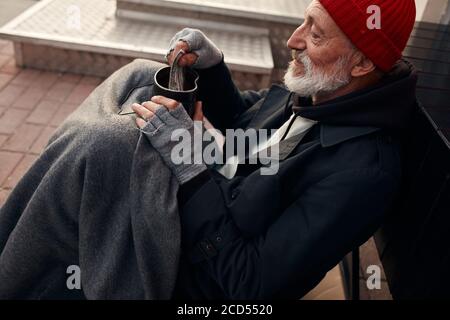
(315, 81)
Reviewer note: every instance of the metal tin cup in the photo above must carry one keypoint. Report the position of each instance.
(187, 96)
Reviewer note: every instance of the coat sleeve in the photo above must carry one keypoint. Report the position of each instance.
(291, 255)
(223, 102)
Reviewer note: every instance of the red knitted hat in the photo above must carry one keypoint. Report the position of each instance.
(382, 46)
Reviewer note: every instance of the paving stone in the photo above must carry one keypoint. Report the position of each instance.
(19, 171)
(30, 98)
(23, 138)
(10, 94)
(363, 291)
(5, 78)
(71, 77)
(380, 294)
(11, 119)
(26, 77)
(60, 91)
(63, 112)
(369, 256)
(44, 112)
(9, 161)
(3, 138)
(10, 67)
(95, 81)
(80, 93)
(46, 80)
(4, 194)
(374, 294)
(4, 59)
(41, 142)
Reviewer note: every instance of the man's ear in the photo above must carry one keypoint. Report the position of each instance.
(363, 66)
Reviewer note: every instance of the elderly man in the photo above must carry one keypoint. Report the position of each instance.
(79, 225)
(347, 98)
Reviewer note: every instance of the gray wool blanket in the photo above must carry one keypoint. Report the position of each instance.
(99, 198)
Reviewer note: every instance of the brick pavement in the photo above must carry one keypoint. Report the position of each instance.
(33, 104)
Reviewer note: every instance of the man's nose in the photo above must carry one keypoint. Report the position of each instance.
(297, 40)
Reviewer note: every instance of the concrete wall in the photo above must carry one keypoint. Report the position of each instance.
(420, 6)
(436, 11)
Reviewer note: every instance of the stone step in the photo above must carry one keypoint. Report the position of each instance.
(85, 36)
(250, 11)
(280, 17)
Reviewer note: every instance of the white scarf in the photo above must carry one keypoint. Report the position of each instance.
(301, 126)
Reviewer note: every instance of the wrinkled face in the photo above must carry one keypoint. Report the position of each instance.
(321, 55)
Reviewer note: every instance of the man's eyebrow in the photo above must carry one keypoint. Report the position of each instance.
(312, 20)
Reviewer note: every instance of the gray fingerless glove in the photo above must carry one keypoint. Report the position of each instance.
(159, 131)
(208, 53)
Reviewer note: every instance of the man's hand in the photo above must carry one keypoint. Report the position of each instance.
(201, 52)
(147, 110)
(158, 119)
(186, 60)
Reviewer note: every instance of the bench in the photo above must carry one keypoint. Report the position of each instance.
(414, 242)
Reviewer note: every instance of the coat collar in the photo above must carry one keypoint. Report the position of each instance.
(331, 135)
(271, 112)
(271, 116)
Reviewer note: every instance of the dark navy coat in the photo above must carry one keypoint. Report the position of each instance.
(259, 237)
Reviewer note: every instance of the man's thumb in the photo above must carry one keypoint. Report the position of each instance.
(198, 111)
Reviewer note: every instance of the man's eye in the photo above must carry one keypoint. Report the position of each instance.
(315, 36)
